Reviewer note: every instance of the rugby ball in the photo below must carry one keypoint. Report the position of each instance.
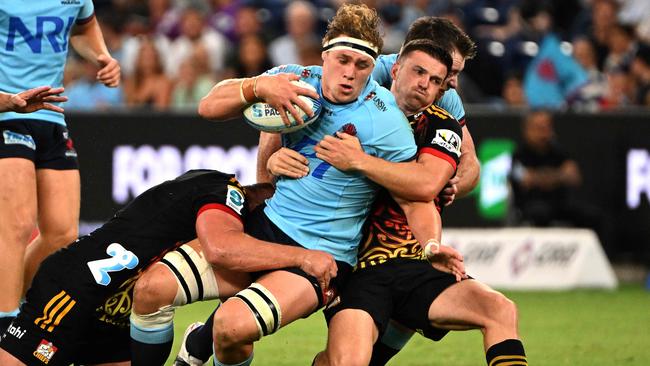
(266, 118)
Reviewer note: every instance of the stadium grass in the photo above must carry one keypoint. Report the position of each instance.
(576, 328)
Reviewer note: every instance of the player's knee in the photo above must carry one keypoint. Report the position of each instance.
(19, 230)
(153, 290)
(503, 311)
(229, 331)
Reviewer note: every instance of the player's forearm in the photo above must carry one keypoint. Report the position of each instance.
(469, 168)
(423, 219)
(412, 181)
(226, 99)
(5, 102)
(240, 252)
(469, 172)
(268, 144)
(88, 41)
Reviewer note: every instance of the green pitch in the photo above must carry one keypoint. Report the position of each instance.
(576, 328)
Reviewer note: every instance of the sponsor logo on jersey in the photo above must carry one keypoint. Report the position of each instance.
(16, 331)
(447, 139)
(380, 104)
(235, 199)
(13, 138)
(45, 351)
(70, 2)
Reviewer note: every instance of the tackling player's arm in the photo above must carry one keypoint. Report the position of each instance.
(426, 225)
(226, 245)
(421, 180)
(227, 99)
(269, 143)
(88, 41)
(469, 168)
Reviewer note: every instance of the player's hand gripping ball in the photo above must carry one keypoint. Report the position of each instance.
(265, 118)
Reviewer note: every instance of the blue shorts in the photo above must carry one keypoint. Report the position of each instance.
(46, 144)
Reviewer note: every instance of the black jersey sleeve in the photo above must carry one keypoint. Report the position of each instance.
(227, 196)
(439, 134)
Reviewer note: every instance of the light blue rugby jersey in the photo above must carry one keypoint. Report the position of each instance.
(327, 209)
(450, 101)
(34, 45)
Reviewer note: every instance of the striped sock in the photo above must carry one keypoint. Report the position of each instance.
(509, 352)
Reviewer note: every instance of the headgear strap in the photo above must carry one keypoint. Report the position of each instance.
(352, 44)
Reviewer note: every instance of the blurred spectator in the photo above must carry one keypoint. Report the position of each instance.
(640, 70)
(591, 96)
(622, 47)
(300, 18)
(83, 90)
(148, 86)
(543, 180)
(620, 89)
(309, 52)
(553, 75)
(603, 17)
(223, 18)
(247, 22)
(251, 58)
(195, 32)
(513, 91)
(164, 18)
(194, 81)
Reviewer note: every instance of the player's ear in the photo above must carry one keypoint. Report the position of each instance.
(393, 70)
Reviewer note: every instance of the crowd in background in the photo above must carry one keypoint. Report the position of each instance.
(584, 55)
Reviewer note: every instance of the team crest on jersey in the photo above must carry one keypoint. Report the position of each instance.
(449, 140)
(45, 351)
(235, 199)
(370, 95)
(349, 128)
(305, 73)
(13, 138)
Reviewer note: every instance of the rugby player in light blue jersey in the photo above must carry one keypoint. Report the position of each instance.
(326, 209)
(39, 177)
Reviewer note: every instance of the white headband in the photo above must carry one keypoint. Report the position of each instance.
(352, 44)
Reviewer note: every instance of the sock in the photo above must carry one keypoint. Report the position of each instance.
(6, 318)
(393, 340)
(508, 352)
(246, 362)
(199, 341)
(151, 347)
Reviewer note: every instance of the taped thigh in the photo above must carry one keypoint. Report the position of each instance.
(264, 306)
(194, 275)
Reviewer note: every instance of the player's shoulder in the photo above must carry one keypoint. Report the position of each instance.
(436, 113)
(452, 103)
(209, 176)
(303, 71)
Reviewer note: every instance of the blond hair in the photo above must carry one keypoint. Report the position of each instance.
(356, 21)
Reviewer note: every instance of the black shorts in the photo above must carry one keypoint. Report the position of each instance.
(45, 143)
(58, 325)
(401, 289)
(260, 227)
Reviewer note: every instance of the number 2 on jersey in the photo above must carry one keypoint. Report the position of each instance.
(120, 259)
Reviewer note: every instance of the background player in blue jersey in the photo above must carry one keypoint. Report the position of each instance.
(32, 100)
(326, 209)
(447, 35)
(39, 177)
